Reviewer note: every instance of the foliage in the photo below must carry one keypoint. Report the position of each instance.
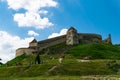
(37, 59)
(1, 62)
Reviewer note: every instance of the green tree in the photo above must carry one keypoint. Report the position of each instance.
(37, 59)
(0, 62)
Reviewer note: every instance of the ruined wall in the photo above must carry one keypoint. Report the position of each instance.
(72, 35)
(89, 38)
(40, 45)
(26, 51)
(108, 40)
(83, 38)
(51, 42)
(32, 44)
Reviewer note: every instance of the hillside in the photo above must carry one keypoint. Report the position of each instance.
(89, 51)
(69, 67)
(95, 51)
(102, 59)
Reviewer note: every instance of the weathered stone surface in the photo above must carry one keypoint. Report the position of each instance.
(71, 38)
(33, 43)
(26, 51)
(108, 40)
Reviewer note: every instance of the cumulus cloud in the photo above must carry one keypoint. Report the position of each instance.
(32, 33)
(62, 32)
(33, 10)
(32, 19)
(10, 43)
(31, 5)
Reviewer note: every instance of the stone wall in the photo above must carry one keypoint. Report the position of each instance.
(83, 38)
(32, 44)
(26, 51)
(51, 42)
(89, 38)
(108, 40)
(72, 37)
(76, 38)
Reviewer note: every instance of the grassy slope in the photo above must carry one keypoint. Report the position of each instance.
(95, 51)
(70, 65)
(48, 78)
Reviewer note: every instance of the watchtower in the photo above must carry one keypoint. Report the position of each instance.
(72, 37)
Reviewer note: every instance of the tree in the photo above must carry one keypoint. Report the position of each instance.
(37, 59)
(0, 62)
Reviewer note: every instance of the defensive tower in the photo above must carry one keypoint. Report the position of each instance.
(72, 37)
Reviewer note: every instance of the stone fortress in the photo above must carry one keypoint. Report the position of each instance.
(72, 37)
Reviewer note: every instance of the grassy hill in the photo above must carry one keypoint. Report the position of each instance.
(103, 60)
(91, 51)
(69, 67)
(95, 51)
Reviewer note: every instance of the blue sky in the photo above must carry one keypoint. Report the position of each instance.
(23, 20)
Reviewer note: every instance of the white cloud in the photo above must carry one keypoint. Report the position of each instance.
(32, 33)
(31, 5)
(33, 8)
(43, 12)
(62, 32)
(30, 19)
(9, 44)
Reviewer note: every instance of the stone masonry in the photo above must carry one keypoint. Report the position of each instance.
(72, 37)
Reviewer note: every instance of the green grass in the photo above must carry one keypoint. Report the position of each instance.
(69, 67)
(92, 51)
(95, 51)
(97, 77)
(73, 68)
(101, 62)
(47, 78)
(15, 60)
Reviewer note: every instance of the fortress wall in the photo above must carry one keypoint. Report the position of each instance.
(32, 44)
(26, 51)
(89, 38)
(72, 36)
(51, 42)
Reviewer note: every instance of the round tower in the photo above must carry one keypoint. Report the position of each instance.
(72, 36)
